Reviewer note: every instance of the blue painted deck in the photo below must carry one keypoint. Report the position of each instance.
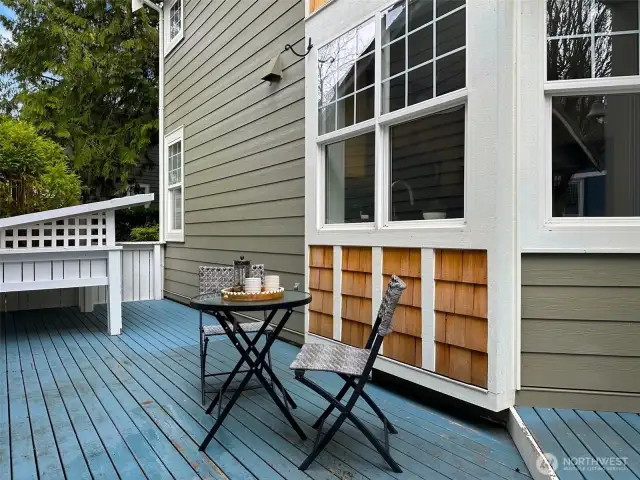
(587, 445)
(76, 403)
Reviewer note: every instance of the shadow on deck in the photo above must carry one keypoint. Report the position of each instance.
(77, 403)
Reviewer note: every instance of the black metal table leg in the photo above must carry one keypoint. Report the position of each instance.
(254, 369)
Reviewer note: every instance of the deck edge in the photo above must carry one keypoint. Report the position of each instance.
(533, 456)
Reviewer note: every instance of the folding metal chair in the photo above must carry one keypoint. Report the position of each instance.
(354, 366)
(213, 280)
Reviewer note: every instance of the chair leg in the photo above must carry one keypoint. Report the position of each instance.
(374, 441)
(330, 408)
(322, 443)
(379, 413)
(203, 363)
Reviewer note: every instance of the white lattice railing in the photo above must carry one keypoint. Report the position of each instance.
(81, 231)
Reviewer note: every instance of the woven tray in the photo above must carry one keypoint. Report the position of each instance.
(229, 294)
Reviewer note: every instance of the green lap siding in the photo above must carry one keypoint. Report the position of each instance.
(244, 142)
(581, 331)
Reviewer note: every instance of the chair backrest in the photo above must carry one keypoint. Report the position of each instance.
(214, 279)
(383, 325)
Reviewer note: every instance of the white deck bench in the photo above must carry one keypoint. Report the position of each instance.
(70, 247)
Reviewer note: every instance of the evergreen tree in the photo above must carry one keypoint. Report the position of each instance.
(87, 77)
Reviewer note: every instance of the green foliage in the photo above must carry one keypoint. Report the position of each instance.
(34, 175)
(150, 233)
(87, 75)
(129, 219)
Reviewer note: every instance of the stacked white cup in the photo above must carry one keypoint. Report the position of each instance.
(252, 285)
(271, 283)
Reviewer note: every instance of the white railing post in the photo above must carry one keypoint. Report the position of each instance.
(114, 300)
(157, 272)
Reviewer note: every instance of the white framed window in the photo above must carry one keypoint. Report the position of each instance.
(391, 97)
(174, 24)
(174, 210)
(582, 190)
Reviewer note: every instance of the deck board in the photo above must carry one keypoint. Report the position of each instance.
(81, 403)
(606, 443)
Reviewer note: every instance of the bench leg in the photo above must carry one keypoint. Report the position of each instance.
(114, 300)
(86, 298)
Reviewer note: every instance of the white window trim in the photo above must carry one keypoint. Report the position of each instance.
(171, 43)
(539, 231)
(145, 187)
(170, 139)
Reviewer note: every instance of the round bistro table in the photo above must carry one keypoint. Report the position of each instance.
(223, 310)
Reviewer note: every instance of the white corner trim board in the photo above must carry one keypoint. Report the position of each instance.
(535, 460)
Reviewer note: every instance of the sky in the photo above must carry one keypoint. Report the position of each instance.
(5, 11)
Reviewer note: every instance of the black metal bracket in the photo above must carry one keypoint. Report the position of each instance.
(290, 47)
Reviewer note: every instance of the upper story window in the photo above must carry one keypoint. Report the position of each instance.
(594, 143)
(174, 24)
(420, 152)
(174, 210)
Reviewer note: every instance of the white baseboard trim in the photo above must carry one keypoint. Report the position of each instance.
(535, 460)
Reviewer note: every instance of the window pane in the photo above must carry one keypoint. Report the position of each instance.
(569, 58)
(327, 119)
(327, 76)
(427, 167)
(596, 155)
(176, 210)
(445, 6)
(393, 22)
(616, 55)
(174, 163)
(450, 73)
(451, 32)
(350, 180)
(393, 59)
(175, 19)
(420, 13)
(393, 94)
(365, 71)
(365, 104)
(345, 112)
(347, 79)
(421, 46)
(568, 17)
(421, 84)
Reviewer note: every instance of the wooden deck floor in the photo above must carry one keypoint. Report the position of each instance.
(601, 445)
(76, 403)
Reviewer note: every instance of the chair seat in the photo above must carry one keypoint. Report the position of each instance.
(331, 358)
(249, 327)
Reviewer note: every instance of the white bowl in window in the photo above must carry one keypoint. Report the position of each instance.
(434, 215)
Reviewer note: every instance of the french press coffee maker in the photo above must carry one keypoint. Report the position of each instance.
(241, 269)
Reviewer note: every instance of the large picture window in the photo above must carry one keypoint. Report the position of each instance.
(422, 52)
(594, 144)
(174, 211)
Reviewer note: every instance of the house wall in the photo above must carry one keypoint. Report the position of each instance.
(581, 331)
(244, 141)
